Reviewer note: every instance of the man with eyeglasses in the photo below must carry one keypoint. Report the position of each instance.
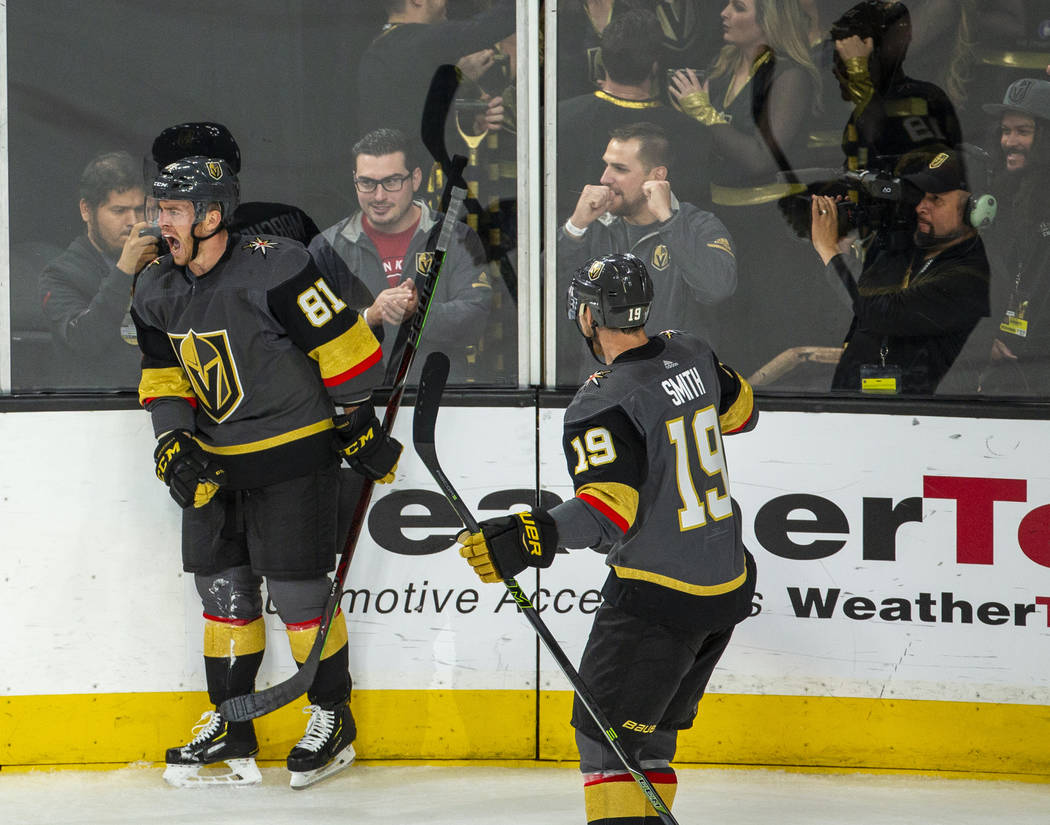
(379, 254)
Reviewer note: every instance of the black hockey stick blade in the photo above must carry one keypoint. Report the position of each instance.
(428, 398)
(428, 402)
(253, 705)
(424, 423)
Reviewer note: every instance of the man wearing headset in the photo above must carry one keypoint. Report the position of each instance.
(914, 304)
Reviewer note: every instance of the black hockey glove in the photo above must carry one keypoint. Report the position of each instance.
(190, 473)
(366, 446)
(508, 544)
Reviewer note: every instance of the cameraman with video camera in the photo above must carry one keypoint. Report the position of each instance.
(914, 304)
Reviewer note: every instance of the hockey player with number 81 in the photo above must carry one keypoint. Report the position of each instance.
(643, 445)
(258, 378)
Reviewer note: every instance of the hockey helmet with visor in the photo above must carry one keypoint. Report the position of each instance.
(202, 181)
(616, 287)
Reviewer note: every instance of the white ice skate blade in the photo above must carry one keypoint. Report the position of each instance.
(240, 772)
(305, 779)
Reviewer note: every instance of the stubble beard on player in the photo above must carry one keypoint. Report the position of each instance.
(178, 249)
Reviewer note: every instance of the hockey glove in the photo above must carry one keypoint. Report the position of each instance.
(366, 446)
(508, 544)
(191, 475)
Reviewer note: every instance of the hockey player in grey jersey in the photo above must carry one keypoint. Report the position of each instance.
(257, 377)
(643, 445)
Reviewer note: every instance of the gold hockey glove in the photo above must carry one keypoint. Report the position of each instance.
(366, 446)
(508, 544)
(191, 475)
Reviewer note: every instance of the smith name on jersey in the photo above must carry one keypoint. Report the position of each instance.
(643, 443)
(251, 357)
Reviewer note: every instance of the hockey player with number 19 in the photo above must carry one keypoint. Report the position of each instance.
(258, 377)
(643, 444)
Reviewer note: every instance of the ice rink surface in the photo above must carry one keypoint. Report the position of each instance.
(439, 795)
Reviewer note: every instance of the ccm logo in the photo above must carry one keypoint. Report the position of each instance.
(531, 536)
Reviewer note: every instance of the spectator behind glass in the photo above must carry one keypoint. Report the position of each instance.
(758, 104)
(86, 291)
(633, 209)
(892, 113)
(1017, 347)
(914, 305)
(628, 95)
(580, 27)
(378, 254)
(397, 67)
(687, 39)
(214, 140)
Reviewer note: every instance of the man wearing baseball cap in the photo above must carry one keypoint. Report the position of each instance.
(1024, 112)
(913, 307)
(1016, 348)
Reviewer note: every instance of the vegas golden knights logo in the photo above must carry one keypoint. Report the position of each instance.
(424, 262)
(661, 257)
(214, 169)
(208, 361)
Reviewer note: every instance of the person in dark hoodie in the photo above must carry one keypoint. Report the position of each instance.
(893, 114)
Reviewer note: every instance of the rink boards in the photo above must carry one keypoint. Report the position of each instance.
(901, 619)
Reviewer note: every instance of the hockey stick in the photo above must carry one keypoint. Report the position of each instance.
(253, 705)
(428, 400)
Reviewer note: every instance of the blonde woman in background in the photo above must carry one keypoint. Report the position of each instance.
(758, 101)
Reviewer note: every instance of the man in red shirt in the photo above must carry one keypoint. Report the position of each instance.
(378, 254)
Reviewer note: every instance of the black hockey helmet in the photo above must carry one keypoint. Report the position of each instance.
(212, 140)
(616, 287)
(199, 179)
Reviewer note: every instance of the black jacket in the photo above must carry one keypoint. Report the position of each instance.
(85, 299)
(921, 311)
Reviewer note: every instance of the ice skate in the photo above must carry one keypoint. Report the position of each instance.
(326, 746)
(217, 743)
